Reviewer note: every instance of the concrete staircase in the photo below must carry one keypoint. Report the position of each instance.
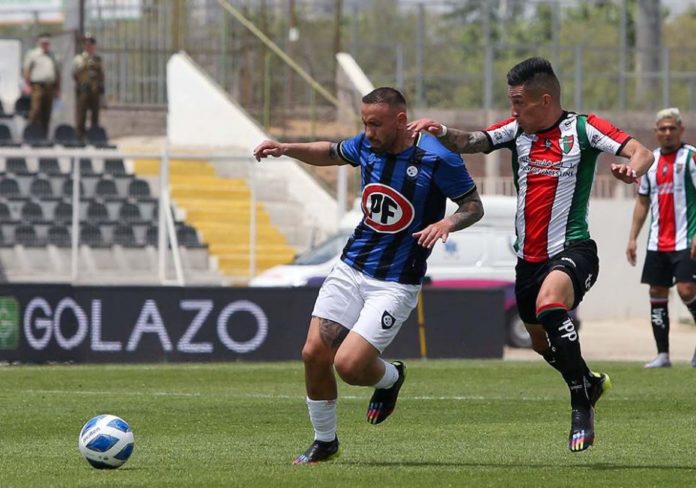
(219, 208)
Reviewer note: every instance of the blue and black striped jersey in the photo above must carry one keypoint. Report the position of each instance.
(401, 194)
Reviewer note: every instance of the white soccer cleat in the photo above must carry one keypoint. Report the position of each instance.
(661, 361)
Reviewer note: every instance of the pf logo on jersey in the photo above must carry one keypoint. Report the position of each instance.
(385, 209)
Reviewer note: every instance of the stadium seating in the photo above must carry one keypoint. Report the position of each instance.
(66, 135)
(218, 211)
(97, 137)
(118, 219)
(22, 106)
(35, 136)
(6, 137)
(49, 166)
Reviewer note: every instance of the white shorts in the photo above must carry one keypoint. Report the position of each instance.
(375, 309)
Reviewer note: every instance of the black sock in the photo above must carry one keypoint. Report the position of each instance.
(565, 346)
(692, 307)
(550, 358)
(659, 319)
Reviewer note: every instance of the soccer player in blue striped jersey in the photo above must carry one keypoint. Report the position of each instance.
(372, 290)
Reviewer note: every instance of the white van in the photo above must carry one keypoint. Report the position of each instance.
(480, 256)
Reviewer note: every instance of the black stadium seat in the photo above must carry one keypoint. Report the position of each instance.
(68, 188)
(17, 166)
(5, 214)
(188, 236)
(97, 212)
(106, 189)
(66, 135)
(139, 189)
(35, 136)
(59, 236)
(9, 187)
(49, 166)
(25, 235)
(115, 167)
(91, 235)
(32, 212)
(62, 213)
(86, 167)
(97, 137)
(6, 137)
(129, 212)
(40, 188)
(22, 106)
(125, 236)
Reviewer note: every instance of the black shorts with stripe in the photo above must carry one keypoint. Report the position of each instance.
(578, 260)
(664, 268)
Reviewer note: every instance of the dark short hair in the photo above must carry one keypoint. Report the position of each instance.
(534, 73)
(387, 95)
(44, 35)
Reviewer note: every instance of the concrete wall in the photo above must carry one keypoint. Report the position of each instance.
(618, 292)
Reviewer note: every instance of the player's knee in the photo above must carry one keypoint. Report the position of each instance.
(687, 291)
(349, 369)
(317, 354)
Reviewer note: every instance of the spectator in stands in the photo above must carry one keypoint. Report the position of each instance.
(88, 73)
(667, 192)
(42, 78)
(372, 290)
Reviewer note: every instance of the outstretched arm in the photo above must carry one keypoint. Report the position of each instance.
(455, 140)
(640, 212)
(322, 153)
(469, 212)
(640, 159)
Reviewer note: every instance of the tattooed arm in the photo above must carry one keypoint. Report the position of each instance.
(469, 212)
(322, 153)
(455, 140)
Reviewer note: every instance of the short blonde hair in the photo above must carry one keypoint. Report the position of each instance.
(669, 113)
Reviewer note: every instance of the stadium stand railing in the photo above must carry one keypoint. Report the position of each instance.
(83, 215)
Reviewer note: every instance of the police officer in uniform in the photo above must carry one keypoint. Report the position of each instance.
(42, 77)
(88, 72)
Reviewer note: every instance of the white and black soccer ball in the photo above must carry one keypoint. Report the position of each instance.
(106, 441)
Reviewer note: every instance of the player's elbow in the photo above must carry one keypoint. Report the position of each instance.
(478, 212)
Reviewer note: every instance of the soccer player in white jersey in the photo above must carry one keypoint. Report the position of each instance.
(668, 192)
(554, 153)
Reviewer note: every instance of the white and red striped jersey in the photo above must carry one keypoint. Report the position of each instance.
(554, 170)
(671, 185)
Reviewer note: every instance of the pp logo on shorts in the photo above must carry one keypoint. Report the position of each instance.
(387, 320)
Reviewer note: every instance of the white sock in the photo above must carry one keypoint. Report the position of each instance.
(322, 414)
(391, 374)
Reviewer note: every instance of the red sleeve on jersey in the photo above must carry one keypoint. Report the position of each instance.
(500, 124)
(608, 129)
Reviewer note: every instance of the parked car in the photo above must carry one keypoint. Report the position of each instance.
(481, 256)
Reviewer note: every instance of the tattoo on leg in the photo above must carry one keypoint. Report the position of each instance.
(332, 333)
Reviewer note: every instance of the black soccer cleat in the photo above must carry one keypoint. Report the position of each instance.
(601, 383)
(383, 400)
(581, 429)
(318, 452)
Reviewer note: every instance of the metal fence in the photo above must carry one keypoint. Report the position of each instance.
(429, 57)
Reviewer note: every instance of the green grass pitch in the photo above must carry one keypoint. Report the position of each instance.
(457, 423)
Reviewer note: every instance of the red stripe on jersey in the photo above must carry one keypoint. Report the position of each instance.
(500, 124)
(664, 177)
(541, 191)
(606, 128)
